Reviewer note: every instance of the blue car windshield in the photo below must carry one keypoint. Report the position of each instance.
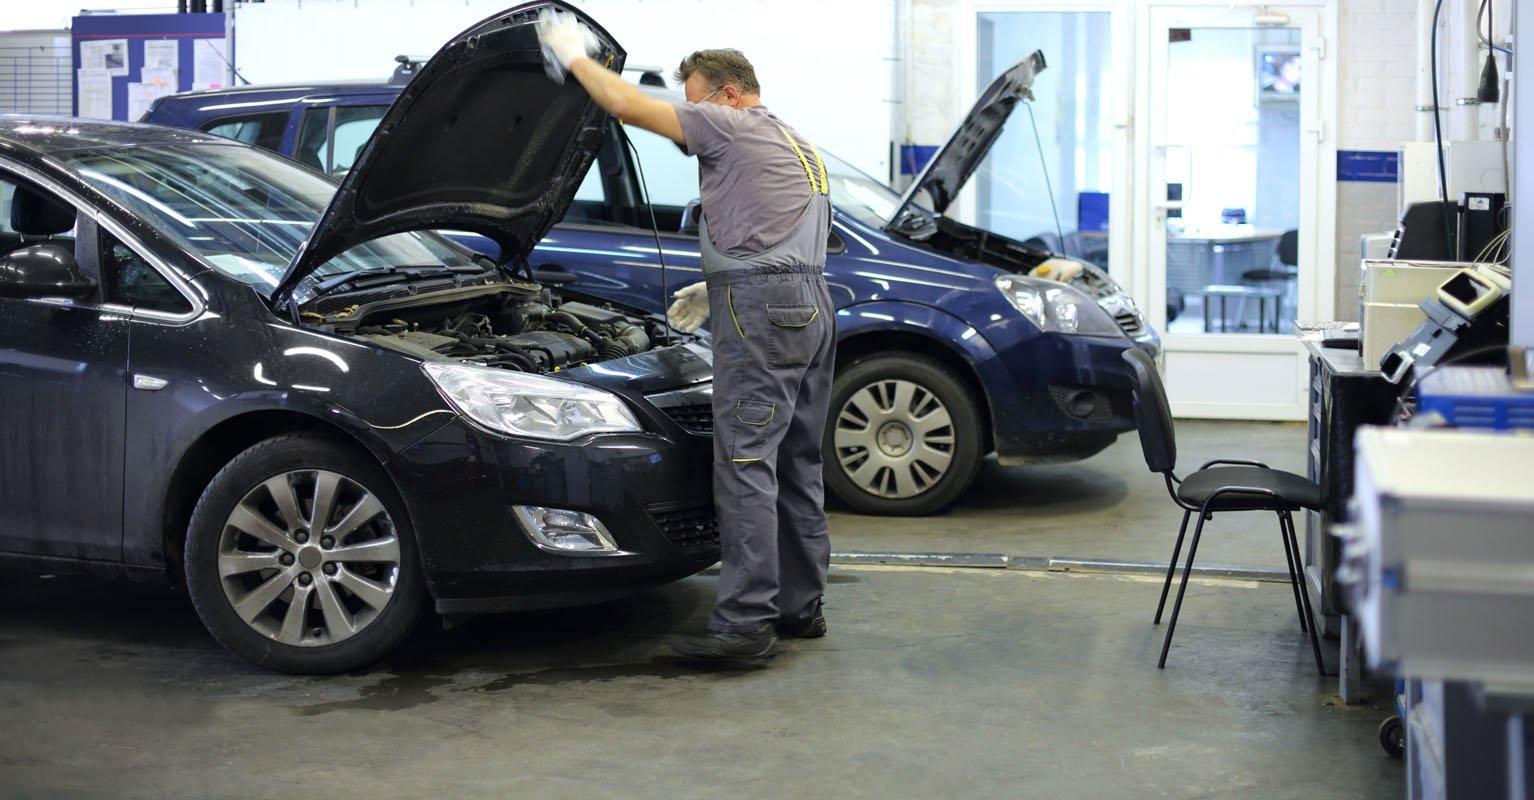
(243, 211)
(858, 195)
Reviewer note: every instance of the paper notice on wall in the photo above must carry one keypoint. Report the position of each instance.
(140, 95)
(108, 54)
(155, 83)
(163, 54)
(94, 87)
(160, 78)
(210, 64)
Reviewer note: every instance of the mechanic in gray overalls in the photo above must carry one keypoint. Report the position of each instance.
(766, 217)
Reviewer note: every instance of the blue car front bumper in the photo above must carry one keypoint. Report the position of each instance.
(1058, 397)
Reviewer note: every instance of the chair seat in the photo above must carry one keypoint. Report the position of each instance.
(1295, 491)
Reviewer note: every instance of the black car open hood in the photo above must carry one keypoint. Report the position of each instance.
(950, 169)
(480, 140)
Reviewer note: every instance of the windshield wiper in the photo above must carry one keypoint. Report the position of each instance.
(402, 273)
(914, 222)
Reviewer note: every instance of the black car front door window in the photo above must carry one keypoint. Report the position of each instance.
(128, 279)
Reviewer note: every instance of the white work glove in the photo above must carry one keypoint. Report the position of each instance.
(1057, 269)
(563, 39)
(690, 309)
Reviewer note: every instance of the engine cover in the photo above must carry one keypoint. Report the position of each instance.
(551, 348)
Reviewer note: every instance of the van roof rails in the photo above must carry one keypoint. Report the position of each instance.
(407, 67)
(649, 76)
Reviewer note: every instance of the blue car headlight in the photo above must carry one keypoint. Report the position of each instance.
(1056, 307)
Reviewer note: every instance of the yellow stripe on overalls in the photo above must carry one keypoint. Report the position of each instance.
(825, 185)
(805, 162)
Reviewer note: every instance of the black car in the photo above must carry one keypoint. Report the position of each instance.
(218, 365)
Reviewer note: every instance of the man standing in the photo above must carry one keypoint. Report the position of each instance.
(766, 217)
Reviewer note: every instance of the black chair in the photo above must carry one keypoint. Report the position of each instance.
(1218, 486)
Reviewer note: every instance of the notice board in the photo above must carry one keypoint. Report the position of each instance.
(123, 62)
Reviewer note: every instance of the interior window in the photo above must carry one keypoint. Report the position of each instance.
(311, 138)
(590, 190)
(354, 124)
(34, 224)
(129, 280)
(262, 130)
(590, 202)
(29, 216)
(671, 177)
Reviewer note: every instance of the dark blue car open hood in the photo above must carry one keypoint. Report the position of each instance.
(480, 140)
(951, 168)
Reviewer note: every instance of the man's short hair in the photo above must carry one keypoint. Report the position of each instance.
(720, 67)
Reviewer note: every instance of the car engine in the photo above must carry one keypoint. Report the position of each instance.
(513, 326)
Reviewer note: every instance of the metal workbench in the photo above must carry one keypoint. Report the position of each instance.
(1344, 394)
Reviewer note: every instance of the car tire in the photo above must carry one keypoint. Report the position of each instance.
(362, 594)
(880, 467)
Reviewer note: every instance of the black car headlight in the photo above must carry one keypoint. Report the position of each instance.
(1056, 307)
(530, 405)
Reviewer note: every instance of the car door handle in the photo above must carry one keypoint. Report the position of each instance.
(149, 383)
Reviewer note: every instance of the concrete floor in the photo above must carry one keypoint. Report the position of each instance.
(972, 683)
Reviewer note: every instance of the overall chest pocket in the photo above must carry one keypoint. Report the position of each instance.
(793, 335)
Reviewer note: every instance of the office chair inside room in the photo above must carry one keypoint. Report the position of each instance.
(1222, 485)
(1283, 271)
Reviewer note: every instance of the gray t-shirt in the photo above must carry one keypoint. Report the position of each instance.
(755, 173)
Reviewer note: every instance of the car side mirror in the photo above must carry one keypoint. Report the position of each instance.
(691, 216)
(47, 269)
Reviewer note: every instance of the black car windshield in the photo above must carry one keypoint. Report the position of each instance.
(243, 211)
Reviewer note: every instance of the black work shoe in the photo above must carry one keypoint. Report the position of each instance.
(722, 646)
(811, 627)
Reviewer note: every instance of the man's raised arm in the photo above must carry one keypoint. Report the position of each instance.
(567, 40)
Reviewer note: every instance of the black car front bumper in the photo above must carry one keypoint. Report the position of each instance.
(651, 491)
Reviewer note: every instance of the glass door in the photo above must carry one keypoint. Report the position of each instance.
(1056, 175)
(1233, 242)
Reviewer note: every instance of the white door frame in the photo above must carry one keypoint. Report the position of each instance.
(1318, 213)
(966, 80)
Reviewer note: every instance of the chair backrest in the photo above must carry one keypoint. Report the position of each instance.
(1153, 415)
(1289, 248)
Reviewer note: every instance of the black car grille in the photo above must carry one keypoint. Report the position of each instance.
(1130, 323)
(691, 530)
(697, 418)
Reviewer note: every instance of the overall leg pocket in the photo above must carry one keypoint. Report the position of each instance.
(752, 423)
(793, 334)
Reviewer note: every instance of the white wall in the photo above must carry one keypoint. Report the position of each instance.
(1377, 78)
(823, 65)
(20, 15)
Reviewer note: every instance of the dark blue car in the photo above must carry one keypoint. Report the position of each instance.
(951, 344)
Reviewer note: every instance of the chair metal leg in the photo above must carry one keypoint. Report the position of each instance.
(1171, 566)
(1315, 641)
(1294, 575)
(1181, 588)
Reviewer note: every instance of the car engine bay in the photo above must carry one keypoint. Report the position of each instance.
(512, 325)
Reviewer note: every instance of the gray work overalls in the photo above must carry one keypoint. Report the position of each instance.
(774, 334)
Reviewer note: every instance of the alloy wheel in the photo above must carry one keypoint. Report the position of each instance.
(309, 558)
(894, 438)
